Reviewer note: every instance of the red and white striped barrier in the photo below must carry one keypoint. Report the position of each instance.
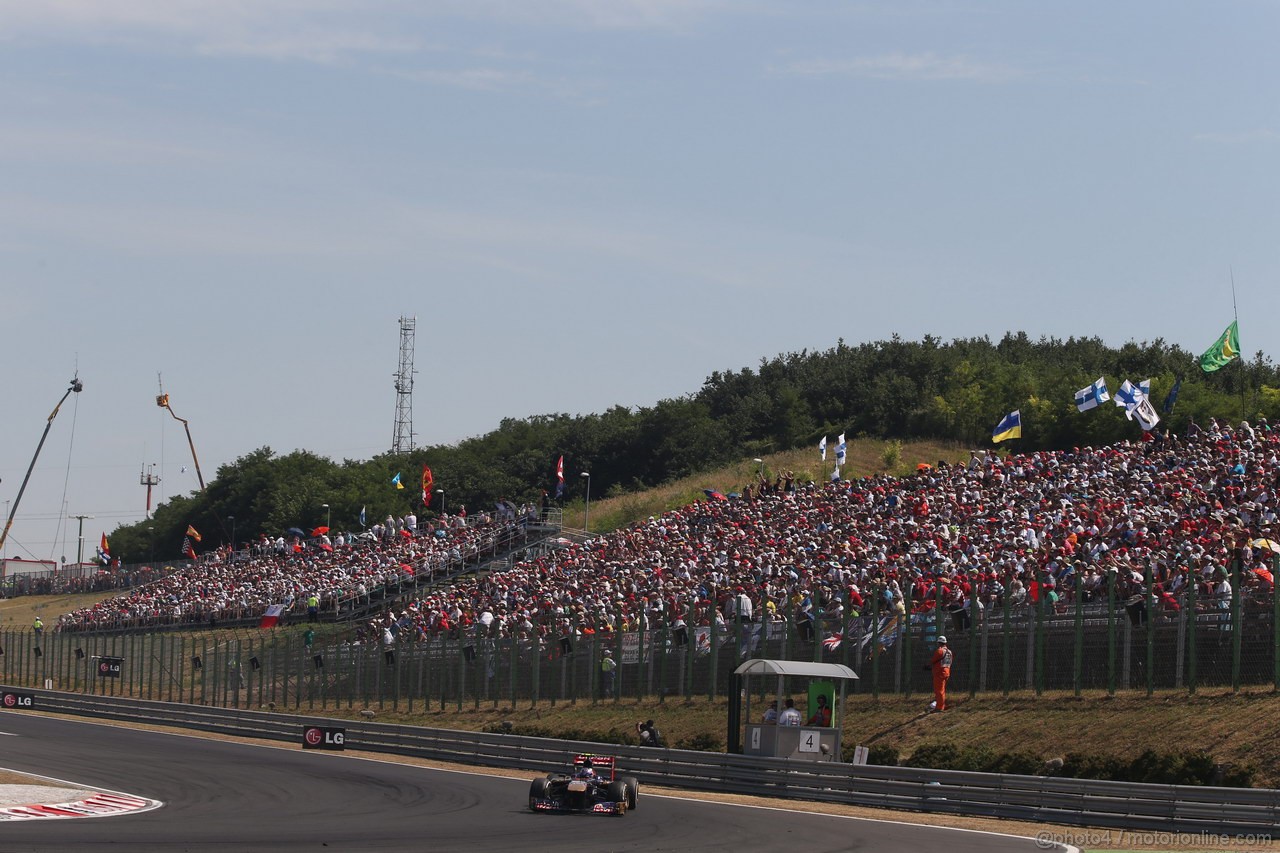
(104, 804)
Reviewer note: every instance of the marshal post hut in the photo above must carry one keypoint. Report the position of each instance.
(817, 735)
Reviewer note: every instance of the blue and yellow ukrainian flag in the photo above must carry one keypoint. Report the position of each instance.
(1010, 427)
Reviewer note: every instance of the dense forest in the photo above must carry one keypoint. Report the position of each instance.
(956, 391)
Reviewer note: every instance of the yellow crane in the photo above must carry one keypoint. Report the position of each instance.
(162, 400)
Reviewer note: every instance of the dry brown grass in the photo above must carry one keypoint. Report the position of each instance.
(865, 457)
(1235, 729)
(18, 613)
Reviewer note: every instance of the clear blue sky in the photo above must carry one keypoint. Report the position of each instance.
(584, 203)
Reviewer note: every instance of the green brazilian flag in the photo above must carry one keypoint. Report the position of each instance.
(1224, 350)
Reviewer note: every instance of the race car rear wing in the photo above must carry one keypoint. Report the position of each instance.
(599, 763)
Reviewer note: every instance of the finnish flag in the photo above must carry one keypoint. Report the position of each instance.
(840, 448)
(1135, 404)
(1128, 398)
(822, 448)
(1093, 395)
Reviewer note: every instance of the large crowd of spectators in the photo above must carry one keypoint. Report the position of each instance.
(342, 571)
(1011, 531)
(997, 531)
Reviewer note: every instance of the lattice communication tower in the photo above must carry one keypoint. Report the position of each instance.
(402, 440)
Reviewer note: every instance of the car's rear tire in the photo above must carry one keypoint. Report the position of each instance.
(618, 792)
(537, 791)
(633, 791)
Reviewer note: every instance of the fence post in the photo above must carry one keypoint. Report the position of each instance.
(642, 665)
(974, 616)
(462, 667)
(1111, 631)
(713, 635)
(905, 669)
(986, 648)
(690, 654)
(592, 666)
(218, 676)
(1041, 598)
(1126, 653)
(1007, 639)
(739, 643)
(818, 618)
(514, 664)
(1077, 666)
(536, 687)
(846, 613)
(617, 656)
(875, 643)
(1193, 587)
(1148, 608)
(666, 647)
(1237, 625)
(204, 659)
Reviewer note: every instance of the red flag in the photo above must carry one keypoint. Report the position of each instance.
(427, 481)
(560, 478)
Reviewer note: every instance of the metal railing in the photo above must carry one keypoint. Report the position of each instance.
(1242, 812)
(249, 667)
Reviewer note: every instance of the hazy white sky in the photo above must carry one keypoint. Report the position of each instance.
(584, 203)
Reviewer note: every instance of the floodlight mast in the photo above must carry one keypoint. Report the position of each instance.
(76, 386)
(162, 400)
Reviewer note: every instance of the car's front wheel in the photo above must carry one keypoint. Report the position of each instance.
(633, 791)
(537, 791)
(618, 792)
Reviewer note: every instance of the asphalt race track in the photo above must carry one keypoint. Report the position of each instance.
(230, 797)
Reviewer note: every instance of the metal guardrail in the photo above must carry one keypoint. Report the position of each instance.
(1251, 812)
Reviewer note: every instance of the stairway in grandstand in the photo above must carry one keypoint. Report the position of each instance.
(540, 537)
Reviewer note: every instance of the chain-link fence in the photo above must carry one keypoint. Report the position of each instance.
(1111, 644)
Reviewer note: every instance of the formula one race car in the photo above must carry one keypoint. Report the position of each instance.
(591, 786)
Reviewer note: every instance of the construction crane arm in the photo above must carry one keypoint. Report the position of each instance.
(76, 386)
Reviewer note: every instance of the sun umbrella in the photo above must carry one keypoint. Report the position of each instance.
(296, 531)
(1266, 543)
(320, 531)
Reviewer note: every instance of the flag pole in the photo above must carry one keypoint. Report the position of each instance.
(1235, 314)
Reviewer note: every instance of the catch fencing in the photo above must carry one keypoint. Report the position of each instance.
(1094, 647)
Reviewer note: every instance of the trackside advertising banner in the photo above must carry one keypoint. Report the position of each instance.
(323, 737)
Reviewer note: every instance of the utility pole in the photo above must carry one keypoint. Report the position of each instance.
(149, 479)
(80, 547)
